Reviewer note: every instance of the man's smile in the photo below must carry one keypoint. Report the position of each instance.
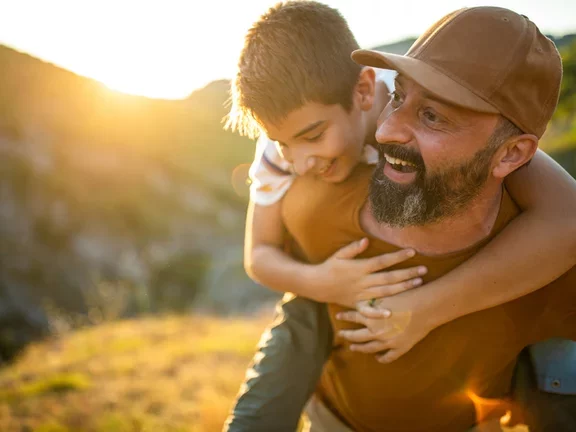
(399, 171)
(399, 163)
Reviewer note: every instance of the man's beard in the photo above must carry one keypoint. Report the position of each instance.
(430, 197)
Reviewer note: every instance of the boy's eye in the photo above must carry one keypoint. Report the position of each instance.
(315, 137)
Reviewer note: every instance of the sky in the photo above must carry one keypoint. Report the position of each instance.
(168, 48)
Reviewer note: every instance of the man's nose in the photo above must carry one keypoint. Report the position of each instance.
(394, 126)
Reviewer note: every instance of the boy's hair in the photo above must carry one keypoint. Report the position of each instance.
(297, 52)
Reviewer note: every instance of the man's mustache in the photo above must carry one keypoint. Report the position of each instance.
(403, 152)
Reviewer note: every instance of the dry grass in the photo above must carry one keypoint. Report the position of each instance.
(172, 374)
(167, 374)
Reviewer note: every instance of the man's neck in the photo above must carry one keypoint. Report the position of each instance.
(451, 234)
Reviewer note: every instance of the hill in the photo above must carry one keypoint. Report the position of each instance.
(402, 46)
(111, 198)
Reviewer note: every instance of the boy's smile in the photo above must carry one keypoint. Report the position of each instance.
(322, 140)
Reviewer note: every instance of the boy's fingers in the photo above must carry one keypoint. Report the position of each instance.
(390, 290)
(360, 335)
(395, 276)
(373, 312)
(352, 249)
(391, 355)
(351, 316)
(382, 262)
(369, 347)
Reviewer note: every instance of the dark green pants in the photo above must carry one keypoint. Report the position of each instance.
(285, 370)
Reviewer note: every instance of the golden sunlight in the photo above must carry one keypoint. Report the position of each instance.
(168, 49)
(137, 83)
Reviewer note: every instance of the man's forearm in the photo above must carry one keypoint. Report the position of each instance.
(285, 369)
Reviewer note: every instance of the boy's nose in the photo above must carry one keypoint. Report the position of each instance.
(304, 164)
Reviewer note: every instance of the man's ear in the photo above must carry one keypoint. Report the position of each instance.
(515, 153)
(366, 88)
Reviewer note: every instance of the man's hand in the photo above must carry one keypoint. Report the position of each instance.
(344, 280)
(392, 326)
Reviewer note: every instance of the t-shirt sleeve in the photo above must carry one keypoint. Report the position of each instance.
(270, 174)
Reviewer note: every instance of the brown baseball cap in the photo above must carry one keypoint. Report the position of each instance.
(487, 59)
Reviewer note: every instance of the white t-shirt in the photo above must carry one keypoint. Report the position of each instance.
(271, 175)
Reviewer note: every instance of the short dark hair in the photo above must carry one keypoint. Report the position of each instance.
(297, 52)
(503, 131)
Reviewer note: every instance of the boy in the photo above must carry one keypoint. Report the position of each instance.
(297, 83)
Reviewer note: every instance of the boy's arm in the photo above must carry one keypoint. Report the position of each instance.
(534, 249)
(340, 279)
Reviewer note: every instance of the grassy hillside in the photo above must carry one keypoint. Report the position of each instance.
(162, 374)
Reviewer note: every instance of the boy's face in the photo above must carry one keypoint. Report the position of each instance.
(322, 140)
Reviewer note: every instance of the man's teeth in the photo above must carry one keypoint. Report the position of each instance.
(395, 161)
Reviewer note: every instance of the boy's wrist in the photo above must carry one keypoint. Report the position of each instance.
(434, 309)
(309, 286)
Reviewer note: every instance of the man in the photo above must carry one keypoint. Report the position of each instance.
(462, 118)
(434, 193)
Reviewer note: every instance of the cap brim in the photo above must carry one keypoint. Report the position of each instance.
(431, 79)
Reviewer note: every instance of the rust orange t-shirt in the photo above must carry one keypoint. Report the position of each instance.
(429, 388)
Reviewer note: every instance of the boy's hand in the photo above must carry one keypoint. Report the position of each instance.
(392, 326)
(344, 280)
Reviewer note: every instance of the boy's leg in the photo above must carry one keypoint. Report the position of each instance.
(285, 370)
(542, 411)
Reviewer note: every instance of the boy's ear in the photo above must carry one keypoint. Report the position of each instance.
(515, 153)
(366, 88)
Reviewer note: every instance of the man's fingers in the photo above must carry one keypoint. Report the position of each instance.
(382, 262)
(390, 290)
(359, 335)
(352, 316)
(351, 250)
(369, 347)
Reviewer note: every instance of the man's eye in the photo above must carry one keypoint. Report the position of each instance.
(430, 116)
(395, 98)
